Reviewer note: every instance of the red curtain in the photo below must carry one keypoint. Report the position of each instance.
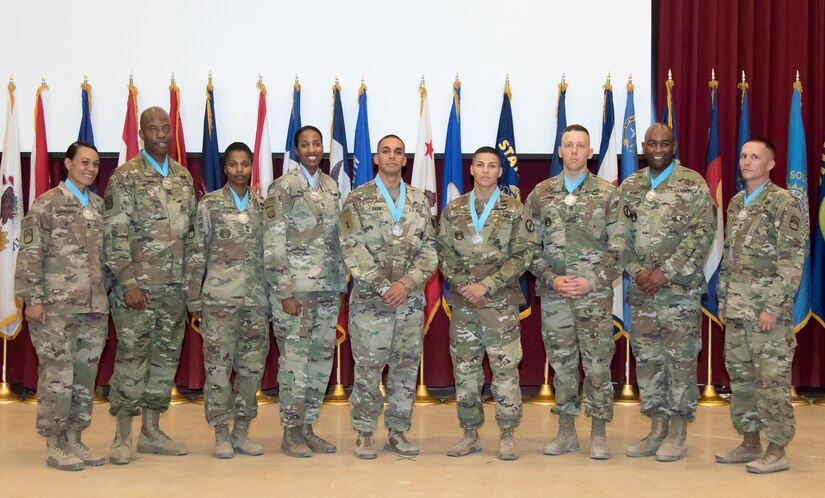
(770, 40)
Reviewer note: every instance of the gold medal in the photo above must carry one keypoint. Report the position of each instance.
(167, 183)
(650, 195)
(243, 218)
(397, 230)
(89, 213)
(570, 199)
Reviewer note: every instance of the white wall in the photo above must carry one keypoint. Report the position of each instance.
(388, 43)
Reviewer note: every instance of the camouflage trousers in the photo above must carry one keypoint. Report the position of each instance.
(666, 340)
(384, 336)
(306, 344)
(148, 349)
(574, 327)
(68, 348)
(233, 338)
(495, 330)
(759, 365)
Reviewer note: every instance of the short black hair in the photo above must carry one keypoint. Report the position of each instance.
(577, 127)
(75, 146)
(237, 147)
(303, 129)
(486, 149)
(391, 136)
(766, 142)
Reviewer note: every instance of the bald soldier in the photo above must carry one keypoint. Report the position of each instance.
(576, 260)
(761, 270)
(670, 221)
(149, 208)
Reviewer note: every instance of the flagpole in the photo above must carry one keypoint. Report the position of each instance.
(709, 395)
(339, 396)
(628, 395)
(545, 396)
(7, 396)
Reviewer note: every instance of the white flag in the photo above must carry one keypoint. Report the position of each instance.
(11, 211)
(423, 172)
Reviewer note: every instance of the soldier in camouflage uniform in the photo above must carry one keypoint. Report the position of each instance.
(761, 269)
(62, 278)
(576, 260)
(306, 278)
(227, 291)
(670, 221)
(149, 212)
(483, 267)
(388, 243)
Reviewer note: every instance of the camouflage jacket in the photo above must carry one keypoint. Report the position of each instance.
(497, 262)
(672, 232)
(147, 224)
(60, 263)
(375, 257)
(301, 243)
(582, 240)
(763, 257)
(225, 258)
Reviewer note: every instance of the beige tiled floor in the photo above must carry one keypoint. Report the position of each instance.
(24, 473)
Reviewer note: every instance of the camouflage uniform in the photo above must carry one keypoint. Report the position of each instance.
(761, 270)
(302, 260)
(581, 240)
(225, 282)
(673, 232)
(497, 262)
(60, 265)
(146, 229)
(382, 335)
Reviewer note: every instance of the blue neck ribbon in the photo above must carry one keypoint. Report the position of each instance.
(654, 182)
(478, 223)
(571, 186)
(395, 209)
(83, 197)
(750, 197)
(162, 170)
(312, 179)
(240, 203)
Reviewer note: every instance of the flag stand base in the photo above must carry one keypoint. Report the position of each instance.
(545, 396)
(99, 398)
(178, 398)
(338, 396)
(819, 402)
(423, 398)
(796, 399)
(264, 399)
(627, 396)
(7, 396)
(709, 397)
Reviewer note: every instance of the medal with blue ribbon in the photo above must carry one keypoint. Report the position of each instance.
(478, 222)
(241, 205)
(395, 208)
(570, 186)
(654, 182)
(82, 197)
(162, 170)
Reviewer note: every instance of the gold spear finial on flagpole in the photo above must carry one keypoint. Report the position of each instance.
(173, 78)
(456, 77)
(131, 78)
(297, 81)
(743, 76)
(669, 75)
(260, 78)
(362, 80)
(608, 77)
(422, 84)
(507, 80)
(11, 79)
(209, 78)
(85, 78)
(43, 80)
(630, 78)
(336, 80)
(712, 74)
(797, 75)
(563, 77)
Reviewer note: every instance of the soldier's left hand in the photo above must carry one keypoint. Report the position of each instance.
(476, 293)
(766, 321)
(577, 287)
(396, 294)
(655, 281)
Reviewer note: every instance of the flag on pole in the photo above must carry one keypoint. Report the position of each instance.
(39, 181)
(290, 160)
(561, 124)
(713, 177)
(210, 175)
(362, 155)
(630, 164)
(86, 133)
(452, 185)
(509, 183)
(608, 166)
(423, 177)
(338, 153)
(177, 148)
(818, 283)
(798, 186)
(262, 174)
(11, 214)
(669, 112)
(129, 146)
(744, 131)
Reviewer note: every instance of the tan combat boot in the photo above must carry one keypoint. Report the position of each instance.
(240, 439)
(469, 443)
(774, 460)
(674, 447)
(650, 443)
(365, 446)
(154, 440)
(121, 451)
(748, 451)
(59, 457)
(316, 443)
(293, 443)
(223, 448)
(598, 440)
(507, 444)
(566, 440)
(397, 443)
(81, 451)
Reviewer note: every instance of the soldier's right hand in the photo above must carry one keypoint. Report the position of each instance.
(136, 299)
(36, 313)
(291, 306)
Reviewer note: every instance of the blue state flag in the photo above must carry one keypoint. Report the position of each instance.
(338, 153)
(797, 182)
(508, 183)
(290, 160)
(669, 113)
(561, 124)
(211, 156)
(362, 155)
(818, 282)
(744, 133)
(629, 165)
(86, 133)
(713, 177)
(453, 183)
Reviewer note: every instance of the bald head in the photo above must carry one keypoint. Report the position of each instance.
(659, 146)
(155, 131)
